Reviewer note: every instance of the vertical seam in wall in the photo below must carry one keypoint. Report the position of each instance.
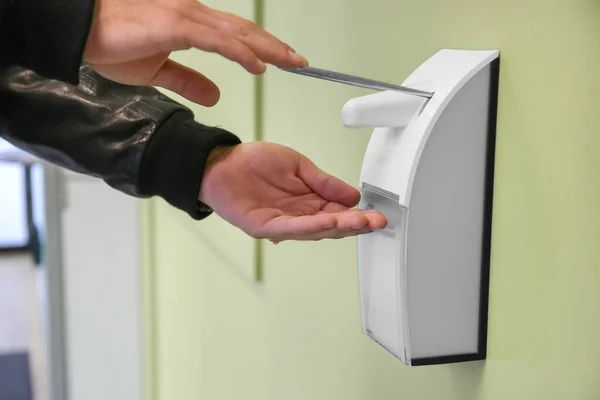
(258, 132)
(55, 195)
(148, 289)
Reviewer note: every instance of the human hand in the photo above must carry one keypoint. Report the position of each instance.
(271, 191)
(130, 42)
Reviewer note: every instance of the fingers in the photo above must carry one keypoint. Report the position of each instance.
(326, 225)
(327, 186)
(220, 42)
(273, 51)
(269, 48)
(332, 207)
(286, 226)
(236, 39)
(326, 234)
(186, 82)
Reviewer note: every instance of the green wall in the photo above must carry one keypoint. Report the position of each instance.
(218, 333)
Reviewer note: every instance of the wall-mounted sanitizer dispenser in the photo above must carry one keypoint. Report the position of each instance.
(429, 168)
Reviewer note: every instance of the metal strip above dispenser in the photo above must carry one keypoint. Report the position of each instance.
(356, 81)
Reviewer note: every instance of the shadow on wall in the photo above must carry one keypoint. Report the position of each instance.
(392, 379)
(226, 260)
(466, 379)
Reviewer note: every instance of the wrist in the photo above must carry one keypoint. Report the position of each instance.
(215, 159)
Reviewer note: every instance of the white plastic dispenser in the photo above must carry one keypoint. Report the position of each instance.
(429, 169)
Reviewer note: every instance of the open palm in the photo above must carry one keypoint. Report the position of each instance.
(271, 191)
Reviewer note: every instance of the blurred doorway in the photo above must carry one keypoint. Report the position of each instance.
(23, 361)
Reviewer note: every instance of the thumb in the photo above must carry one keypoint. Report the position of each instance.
(187, 83)
(327, 186)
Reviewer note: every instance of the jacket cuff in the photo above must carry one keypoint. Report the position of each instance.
(50, 36)
(174, 162)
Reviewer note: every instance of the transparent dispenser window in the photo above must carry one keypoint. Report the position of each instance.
(382, 274)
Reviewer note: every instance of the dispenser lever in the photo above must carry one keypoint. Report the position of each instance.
(356, 81)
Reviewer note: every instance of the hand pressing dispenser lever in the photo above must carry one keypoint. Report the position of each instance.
(429, 168)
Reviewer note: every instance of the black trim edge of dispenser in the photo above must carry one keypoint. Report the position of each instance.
(487, 233)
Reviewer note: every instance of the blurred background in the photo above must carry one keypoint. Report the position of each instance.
(69, 266)
(23, 368)
(106, 297)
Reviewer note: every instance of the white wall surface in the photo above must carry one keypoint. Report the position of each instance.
(101, 270)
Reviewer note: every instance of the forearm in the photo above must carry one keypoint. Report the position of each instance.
(134, 138)
(46, 36)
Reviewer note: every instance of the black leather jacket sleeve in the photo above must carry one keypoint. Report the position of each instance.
(136, 139)
(46, 36)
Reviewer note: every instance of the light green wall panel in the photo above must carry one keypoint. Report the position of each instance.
(297, 334)
(235, 112)
(204, 307)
